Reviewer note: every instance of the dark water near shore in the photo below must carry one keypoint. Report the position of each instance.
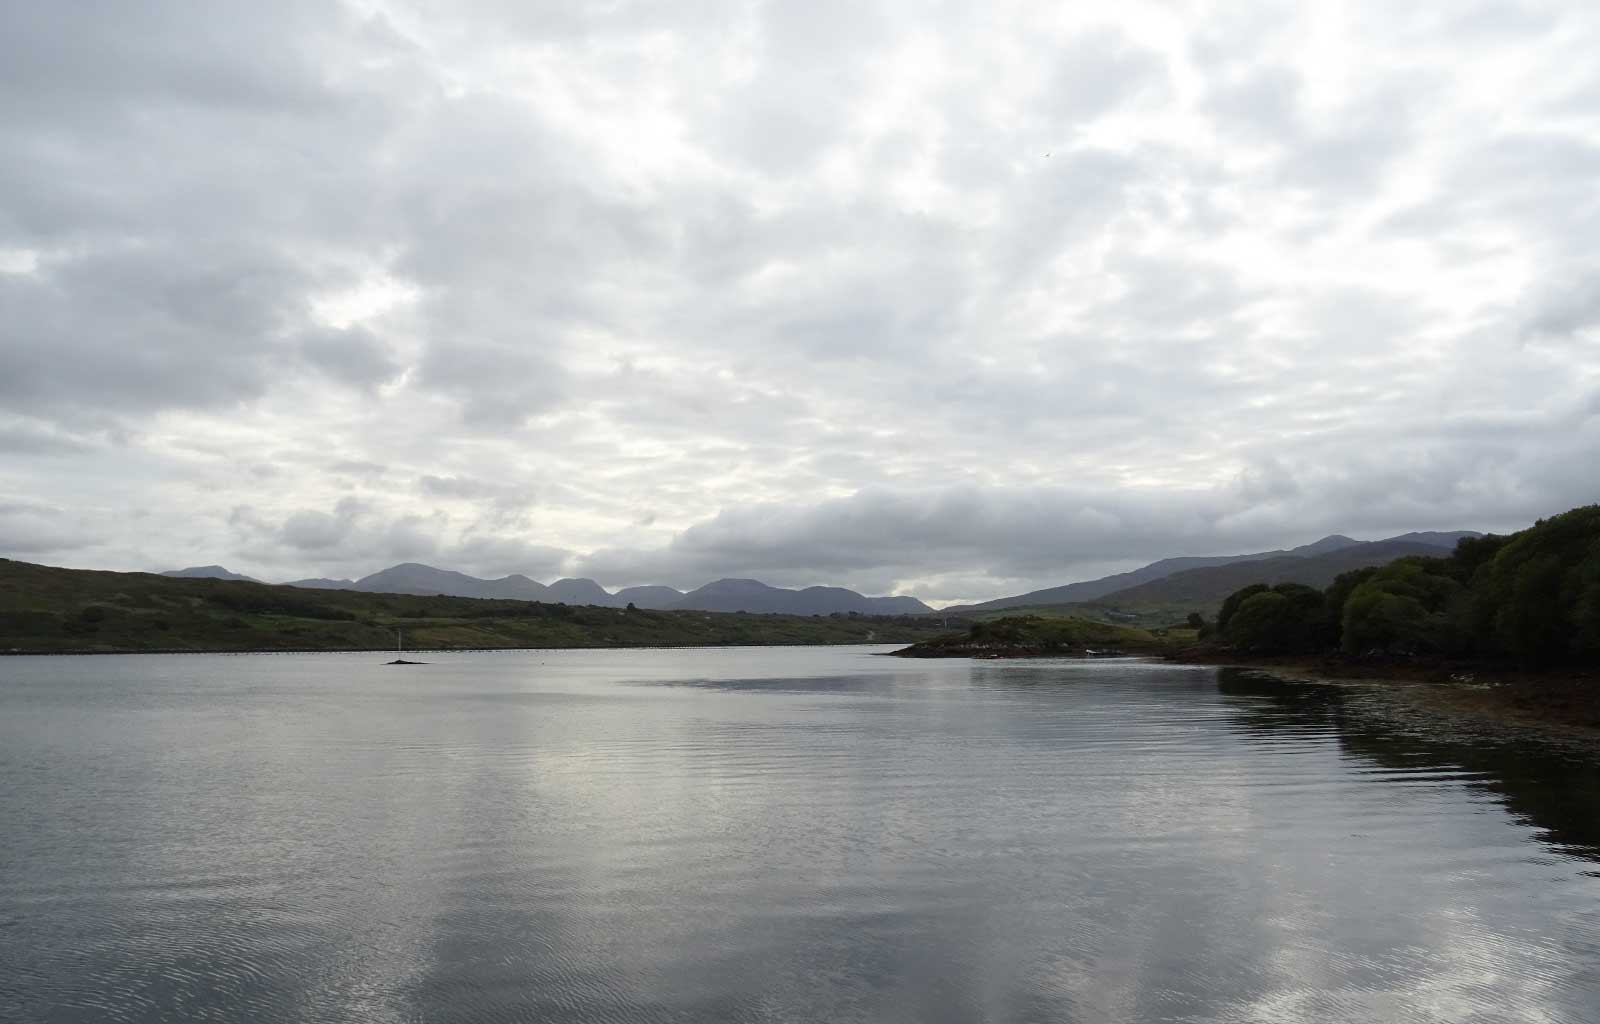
(771, 835)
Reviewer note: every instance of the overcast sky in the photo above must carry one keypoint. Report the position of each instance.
(955, 299)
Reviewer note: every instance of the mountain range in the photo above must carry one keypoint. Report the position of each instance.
(728, 595)
(1197, 582)
(1201, 582)
(208, 572)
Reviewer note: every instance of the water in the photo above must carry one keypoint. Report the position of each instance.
(771, 835)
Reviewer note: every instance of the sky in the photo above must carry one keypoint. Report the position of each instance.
(953, 300)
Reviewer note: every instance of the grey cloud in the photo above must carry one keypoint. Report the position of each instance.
(1066, 202)
(504, 502)
(1265, 102)
(352, 538)
(31, 528)
(495, 385)
(456, 487)
(1342, 153)
(83, 54)
(313, 531)
(1101, 71)
(494, 555)
(25, 440)
(353, 356)
(409, 537)
(1033, 536)
(745, 288)
(881, 531)
(545, 20)
(799, 100)
(136, 330)
(1566, 305)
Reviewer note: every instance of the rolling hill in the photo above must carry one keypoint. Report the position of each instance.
(1099, 590)
(1204, 589)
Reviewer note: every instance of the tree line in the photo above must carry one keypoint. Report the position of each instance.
(1531, 596)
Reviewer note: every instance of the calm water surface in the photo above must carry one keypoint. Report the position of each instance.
(771, 835)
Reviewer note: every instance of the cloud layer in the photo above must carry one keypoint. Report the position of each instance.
(945, 300)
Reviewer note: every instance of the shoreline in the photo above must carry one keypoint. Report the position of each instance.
(1561, 704)
(1555, 704)
(426, 650)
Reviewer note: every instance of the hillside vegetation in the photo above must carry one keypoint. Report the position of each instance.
(1126, 592)
(1532, 598)
(50, 610)
(1035, 636)
(1205, 589)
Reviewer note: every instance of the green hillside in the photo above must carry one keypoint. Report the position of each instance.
(1035, 636)
(1203, 590)
(1532, 597)
(50, 610)
(1153, 617)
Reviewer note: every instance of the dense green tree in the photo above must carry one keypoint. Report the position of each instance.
(1290, 618)
(1375, 620)
(1337, 594)
(1533, 596)
(1231, 603)
(1261, 623)
(1536, 599)
(1473, 553)
(1586, 607)
(1407, 606)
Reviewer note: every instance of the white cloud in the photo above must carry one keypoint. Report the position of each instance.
(966, 300)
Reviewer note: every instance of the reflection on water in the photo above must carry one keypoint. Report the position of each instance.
(1543, 784)
(771, 835)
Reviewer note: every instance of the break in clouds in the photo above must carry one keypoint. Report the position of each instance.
(957, 300)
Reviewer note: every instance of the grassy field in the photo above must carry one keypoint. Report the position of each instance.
(50, 610)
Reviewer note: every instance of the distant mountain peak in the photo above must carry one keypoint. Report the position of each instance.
(1094, 590)
(322, 583)
(728, 594)
(737, 594)
(1332, 542)
(1435, 538)
(211, 572)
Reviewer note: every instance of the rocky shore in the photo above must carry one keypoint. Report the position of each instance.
(1559, 701)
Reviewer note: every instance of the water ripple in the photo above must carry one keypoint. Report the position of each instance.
(771, 836)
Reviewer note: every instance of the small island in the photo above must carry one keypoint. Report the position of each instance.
(1040, 636)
